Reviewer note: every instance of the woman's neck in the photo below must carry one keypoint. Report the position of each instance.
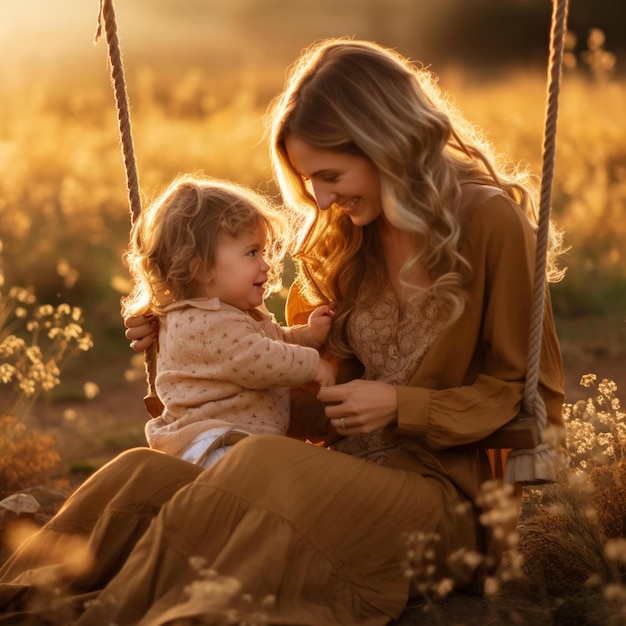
(398, 247)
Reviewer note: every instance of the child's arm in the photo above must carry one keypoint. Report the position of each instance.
(325, 375)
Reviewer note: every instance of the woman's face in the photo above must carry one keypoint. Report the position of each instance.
(345, 181)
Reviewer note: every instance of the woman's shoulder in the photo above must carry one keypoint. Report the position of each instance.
(474, 195)
(489, 209)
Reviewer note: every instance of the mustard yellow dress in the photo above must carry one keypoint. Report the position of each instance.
(291, 531)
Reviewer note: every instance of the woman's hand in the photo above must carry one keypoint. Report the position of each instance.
(142, 331)
(364, 405)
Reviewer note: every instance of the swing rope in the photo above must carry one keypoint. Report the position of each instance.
(525, 466)
(540, 465)
(106, 20)
(559, 21)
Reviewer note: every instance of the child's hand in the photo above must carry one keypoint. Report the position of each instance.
(319, 322)
(325, 375)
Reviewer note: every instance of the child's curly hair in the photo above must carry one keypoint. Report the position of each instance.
(182, 225)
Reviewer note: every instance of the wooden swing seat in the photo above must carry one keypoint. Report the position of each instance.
(521, 432)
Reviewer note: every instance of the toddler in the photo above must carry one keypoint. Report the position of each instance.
(203, 257)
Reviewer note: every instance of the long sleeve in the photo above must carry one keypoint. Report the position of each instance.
(299, 334)
(245, 357)
(221, 343)
(472, 379)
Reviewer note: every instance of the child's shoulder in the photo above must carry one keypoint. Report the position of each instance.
(193, 311)
(187, 307)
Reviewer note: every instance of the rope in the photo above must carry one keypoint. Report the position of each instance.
(533, 402)
(106, 17)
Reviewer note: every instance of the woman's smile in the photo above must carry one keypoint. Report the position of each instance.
(350, 206)
(348, 181)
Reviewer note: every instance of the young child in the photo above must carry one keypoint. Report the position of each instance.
(197, 257)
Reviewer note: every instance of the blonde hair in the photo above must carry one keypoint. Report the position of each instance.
(182, 225)
(360, 98)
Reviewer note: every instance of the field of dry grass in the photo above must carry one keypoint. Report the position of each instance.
(64, 219)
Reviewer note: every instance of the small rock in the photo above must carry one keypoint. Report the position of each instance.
(20, 504)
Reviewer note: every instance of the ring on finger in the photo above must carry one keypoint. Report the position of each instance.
(342, 423)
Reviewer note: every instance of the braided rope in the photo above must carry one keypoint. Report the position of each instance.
(106, 16)
(533, 402)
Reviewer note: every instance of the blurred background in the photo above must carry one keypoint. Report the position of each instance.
(200, 74)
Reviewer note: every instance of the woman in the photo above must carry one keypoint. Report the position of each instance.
(424, 250)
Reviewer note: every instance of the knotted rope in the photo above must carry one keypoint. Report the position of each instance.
(544, 467)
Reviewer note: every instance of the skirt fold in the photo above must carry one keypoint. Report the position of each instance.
(288, 531)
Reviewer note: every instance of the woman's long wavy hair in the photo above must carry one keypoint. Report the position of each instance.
(181, 227)
(360, 98)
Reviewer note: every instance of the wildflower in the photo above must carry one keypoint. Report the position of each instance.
(197, 562)
(33, 364)
(27, 387)
(44, 310)
(218, 592)
(7, 372)
(588, 380)
(70, 415)
(607, 387)
(84, 343)
(10, 345)
(444, 587)
(473, 559)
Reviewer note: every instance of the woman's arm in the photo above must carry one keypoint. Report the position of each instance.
(141, 330)
(472, 380)
(360, 406)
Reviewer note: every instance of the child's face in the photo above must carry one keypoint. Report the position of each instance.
(240, 271)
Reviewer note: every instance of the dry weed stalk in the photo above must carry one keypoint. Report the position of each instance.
(35, 342)
(565, 561)
(574, 546)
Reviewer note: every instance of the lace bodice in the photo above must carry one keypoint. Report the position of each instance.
(391, 349)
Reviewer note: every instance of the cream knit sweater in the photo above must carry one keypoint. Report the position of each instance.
(219, 366)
